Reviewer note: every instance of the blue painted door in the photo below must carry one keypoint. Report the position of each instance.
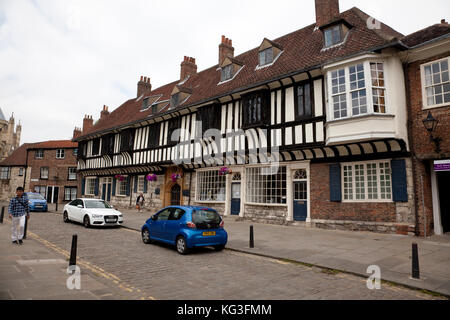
(300, 200)
(235, 198)
(104, 192)
(108, 195)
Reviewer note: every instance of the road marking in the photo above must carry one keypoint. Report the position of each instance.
(40, 262)
(87, 265)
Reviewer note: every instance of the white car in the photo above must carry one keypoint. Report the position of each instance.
(92, 212)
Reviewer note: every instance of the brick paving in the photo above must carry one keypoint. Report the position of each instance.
(117, 258)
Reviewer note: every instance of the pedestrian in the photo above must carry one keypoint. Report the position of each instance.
(140, 202)
(18, 212)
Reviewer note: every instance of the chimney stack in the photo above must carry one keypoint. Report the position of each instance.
(104, 112)
(326, 11)
(188, 67)
(225, 49)
(144, 86)
(443, 21)
(88, 123)
(76, 132)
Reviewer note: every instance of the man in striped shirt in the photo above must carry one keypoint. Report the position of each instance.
(18, 212)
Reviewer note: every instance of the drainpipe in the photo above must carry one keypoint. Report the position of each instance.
(25, 174)
(411, 146)
(190, 185)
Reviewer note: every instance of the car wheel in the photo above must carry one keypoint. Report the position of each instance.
(66, 217)
(86, 222)
(181, 245)
(146, 236)
(219, 248)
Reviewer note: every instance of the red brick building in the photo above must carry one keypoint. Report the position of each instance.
(54, 170)
(428, 93)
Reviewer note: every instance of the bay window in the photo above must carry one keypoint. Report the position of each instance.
(210, 186)
(357, 90)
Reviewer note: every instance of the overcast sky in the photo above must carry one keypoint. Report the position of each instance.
(62, 59)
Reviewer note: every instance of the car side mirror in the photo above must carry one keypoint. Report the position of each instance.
(80, 206)
(155, 217)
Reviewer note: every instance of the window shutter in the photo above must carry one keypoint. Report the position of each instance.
(114, 187)
(96, 186)
(135, 184)
(145, 185)
(83, 184)
(399, 185)
(335, 183)
(128, 185)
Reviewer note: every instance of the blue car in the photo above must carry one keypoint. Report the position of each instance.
(37, 202)
(186, 227)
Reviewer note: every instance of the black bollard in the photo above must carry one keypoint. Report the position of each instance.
(73, 251)
(415, 262)
(25, 228)
(252, 239)
(2, 214)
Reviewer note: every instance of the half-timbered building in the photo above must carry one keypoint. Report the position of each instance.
(310, 127)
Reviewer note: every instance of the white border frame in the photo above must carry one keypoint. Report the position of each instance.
(365, 182)
(422, 84)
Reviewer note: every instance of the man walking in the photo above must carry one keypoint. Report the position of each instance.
(18, 212)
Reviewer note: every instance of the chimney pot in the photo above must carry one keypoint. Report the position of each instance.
(443, 21)
(225, 49)
(144, 86)
(188, 67)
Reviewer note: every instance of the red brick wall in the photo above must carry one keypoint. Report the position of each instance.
(323, 208)
(421, 146)
(59, 167)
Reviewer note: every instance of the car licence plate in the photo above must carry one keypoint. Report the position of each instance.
(110, 220)
(209, 234)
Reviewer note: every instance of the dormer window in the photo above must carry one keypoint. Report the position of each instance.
(333, 35)
(266, 56)
(179, 95)
(145, 103)
(227, 72)
(174, 100)
(269, 51)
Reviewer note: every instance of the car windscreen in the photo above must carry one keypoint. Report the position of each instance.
(35, 197)
(202, 216)
(94, 204)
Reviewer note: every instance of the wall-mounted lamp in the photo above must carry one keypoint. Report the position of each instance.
(430, 123)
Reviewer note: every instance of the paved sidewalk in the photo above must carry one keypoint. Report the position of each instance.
(341, 250)
(34, 272)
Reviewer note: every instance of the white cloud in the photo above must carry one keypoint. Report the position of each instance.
(60, 60)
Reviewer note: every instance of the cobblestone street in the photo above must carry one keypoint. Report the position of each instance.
(118, 258)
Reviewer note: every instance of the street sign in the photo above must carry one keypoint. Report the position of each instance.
(442, 165)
